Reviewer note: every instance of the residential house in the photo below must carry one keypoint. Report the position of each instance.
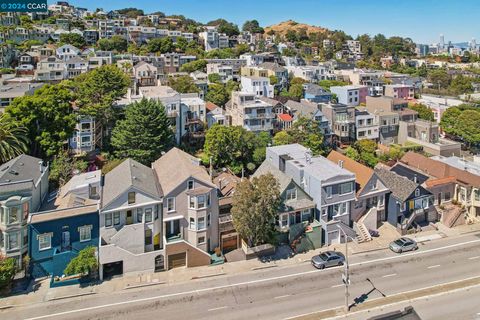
(224, 71)
(190, 209)
(310, 73)
(67, 52)
(130, 221)
(352, 95)
(331, 187)
(279, 72)
(341, 119)
(366, 125)
(146, 74)
(215, 115)
(401, 91)
(51, 69)
(10, 91)
(315, 93)
(310, 111)
(247, 110)
(259, 86)
(23, 187)
(87, 136)
(64, 227)
(76, 66)
(409, 202)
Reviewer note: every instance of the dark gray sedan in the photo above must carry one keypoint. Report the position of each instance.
(403, 244)
(328, 259)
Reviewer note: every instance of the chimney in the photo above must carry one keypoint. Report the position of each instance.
(340, 163)
(415, 178)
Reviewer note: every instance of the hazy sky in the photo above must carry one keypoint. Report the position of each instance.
(421, 20)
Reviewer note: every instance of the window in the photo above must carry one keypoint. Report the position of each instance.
(139, 215)
(44, 241)
(85, 233)
(13, 215)
(208, 219)
(329, 191)
(148, 215)
(346, 188)
(170, 204)
(201, 240)
(148, 237)
(116, 218)
(291, 194)
(381, 200)
(446, 196)
(131, 197)
(108, 219)
(190, 184)
(192, 223)
(201, 223)
(191, 202)
(201, 203)
(417, 192)
(306, 215)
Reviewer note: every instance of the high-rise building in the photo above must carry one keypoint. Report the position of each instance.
(442, 41)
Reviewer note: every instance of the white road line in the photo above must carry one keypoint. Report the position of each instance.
(246, 282)
(389, 275)
(473, 258)
(337, 285)
(219, 308)
(284, 296)
(435, 266)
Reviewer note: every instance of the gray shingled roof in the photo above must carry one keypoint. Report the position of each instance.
(301, 109)
(275, 67)
(400, 187)
(268, 167)
(21, 168)
(315, 89)
(129, 173)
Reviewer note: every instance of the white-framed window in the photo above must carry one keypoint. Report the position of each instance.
(201, 223)
(191, 202)
(85, 233)
(417, 192)
(201, 201)
(139, 215)
(131, 197)
(44, 241)
(284, 220)
(116, 218)
(201, 240)
(291, 194)
(381, 200)
(192, 223)
(148, 215)
(13, 215)
(190, 184)
(306, 215)
(108, 219)
(346, 188)
(170, 204)
(329, 191)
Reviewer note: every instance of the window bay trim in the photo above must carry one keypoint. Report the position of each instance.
(125, 208)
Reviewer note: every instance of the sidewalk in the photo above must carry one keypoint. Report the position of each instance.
(178, 275)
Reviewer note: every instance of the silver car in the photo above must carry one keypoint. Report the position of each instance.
(328, 259)
(403, 244)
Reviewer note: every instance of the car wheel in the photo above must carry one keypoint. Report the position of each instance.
(400, 250)
(340, 263)
(322, 267)
(416, 248)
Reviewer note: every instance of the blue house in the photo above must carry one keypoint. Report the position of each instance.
(315, 93)
(57, 236)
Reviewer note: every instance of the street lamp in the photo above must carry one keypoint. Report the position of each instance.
(345, 275)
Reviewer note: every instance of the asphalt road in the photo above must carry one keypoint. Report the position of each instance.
(275, 293)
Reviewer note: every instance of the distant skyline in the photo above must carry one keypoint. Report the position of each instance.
(421, 20)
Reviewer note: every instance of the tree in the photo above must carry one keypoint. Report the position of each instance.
(449, 120)
(366, 145)
(352, 153)
(8, 268)
(304, 131)
(13, 139)
(461, 84)
(439, 77)
(48, 117)
(160, 45)
(254, 209)
(273, 80)
(252, 26)
(424, 112)
(115, 43)
(63, 168)
(217, 94)
(468, 126)
(144, 134)
(183, 84)
(74, 39)
(84, 263)
(214, 78)
(194, 66)
(132, 13)
(369, 159)
(326, 84)
(223, 26)
(281, 138)
(97, 90)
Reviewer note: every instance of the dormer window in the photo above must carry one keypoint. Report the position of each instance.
(291, 194)
(417, 192)
(190, 184)
(131, 197)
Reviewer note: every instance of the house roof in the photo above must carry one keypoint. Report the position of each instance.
(62, 213)
(362, 173)
(210, 106)
(400, 187)
(285, 117)
(268, 167)
(438, 182)
(303, 108)
(275, 67)
(21, 168)
(409, 173)
(227, 183)
(176, 166)
(129, 173)
(315, 89)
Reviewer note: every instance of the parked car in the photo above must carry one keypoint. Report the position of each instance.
(403, 244)
(328, 259)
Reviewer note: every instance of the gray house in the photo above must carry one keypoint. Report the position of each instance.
(23, 187)
(331, 187)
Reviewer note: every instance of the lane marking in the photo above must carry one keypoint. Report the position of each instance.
(219, 308)
(337, 285)
(473, 258)
(284, 296)
(246, 282)
(389, 275)
(435, 266)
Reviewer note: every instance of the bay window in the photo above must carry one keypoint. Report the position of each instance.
(44, 241)
(291, 194)
(346, 188)
(85, 233)
(108, 219)
(148, 215)
(201, 223)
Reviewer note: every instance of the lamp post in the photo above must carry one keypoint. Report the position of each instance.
(345, 275)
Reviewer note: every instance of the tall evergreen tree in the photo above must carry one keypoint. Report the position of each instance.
(13, 139)
(144, 133)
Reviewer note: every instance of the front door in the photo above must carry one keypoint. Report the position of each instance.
(65, 239)
(439, 198)
(129, 217)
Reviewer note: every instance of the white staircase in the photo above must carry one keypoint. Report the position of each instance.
(362, 233)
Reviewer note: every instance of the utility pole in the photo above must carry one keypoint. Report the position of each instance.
(345, 275)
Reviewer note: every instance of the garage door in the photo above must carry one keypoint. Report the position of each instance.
(177, 260)
(333, 237)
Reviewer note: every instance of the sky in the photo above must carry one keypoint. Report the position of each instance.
(421, 20)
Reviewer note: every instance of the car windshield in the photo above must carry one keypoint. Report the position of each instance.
(323, 256)
(399, 242)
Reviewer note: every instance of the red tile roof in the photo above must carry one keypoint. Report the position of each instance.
(285, 117)
(210, 106)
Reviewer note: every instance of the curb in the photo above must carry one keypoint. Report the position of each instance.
(143, 285)
(72, 296)
(370, 250)
(208, 276)
(9, 306)
(265, 267)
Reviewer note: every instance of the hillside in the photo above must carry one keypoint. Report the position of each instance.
(283, 27)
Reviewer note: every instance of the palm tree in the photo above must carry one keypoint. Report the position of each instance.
(13, 139)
